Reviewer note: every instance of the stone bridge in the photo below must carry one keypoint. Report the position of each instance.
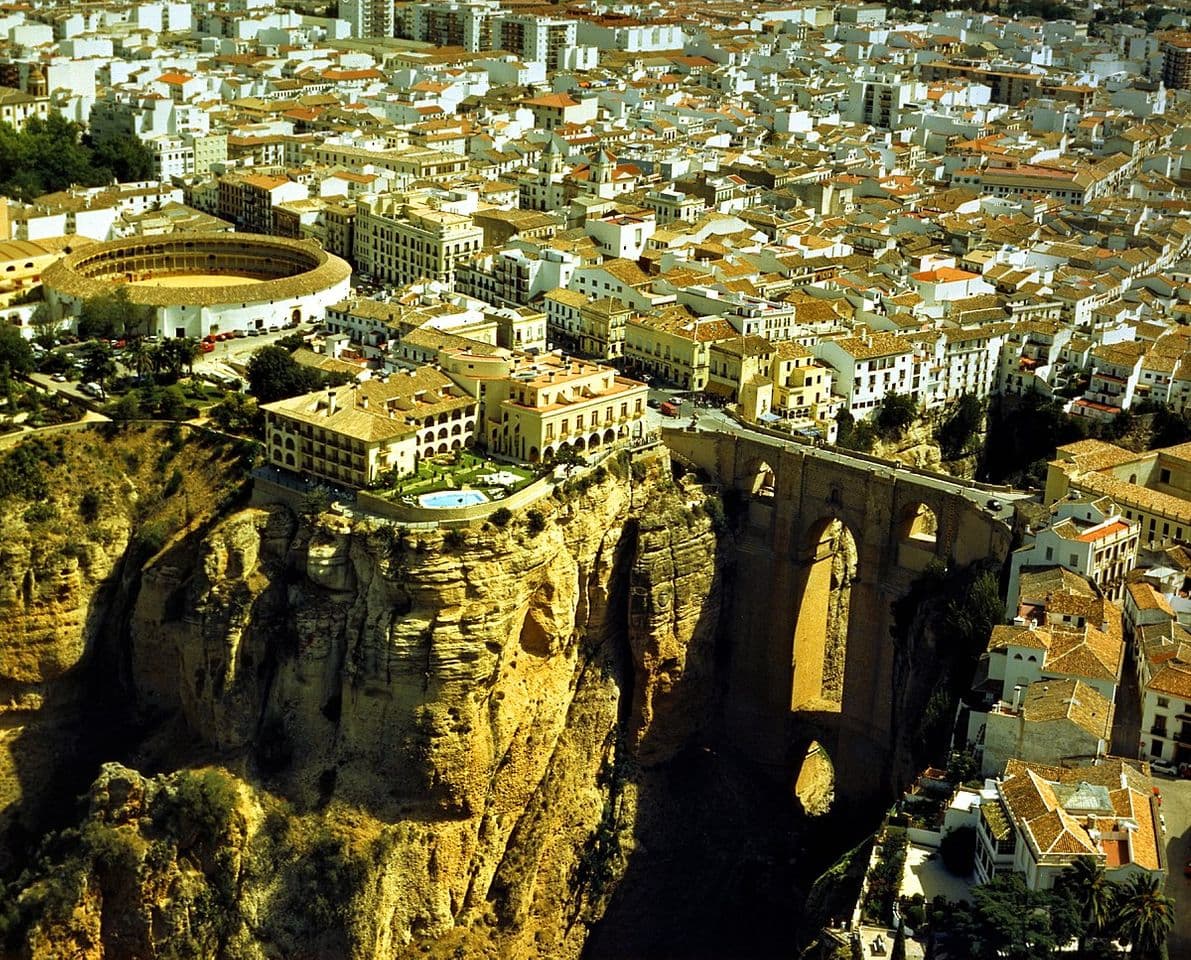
(787, 648)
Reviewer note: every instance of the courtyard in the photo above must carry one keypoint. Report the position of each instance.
(455, 472)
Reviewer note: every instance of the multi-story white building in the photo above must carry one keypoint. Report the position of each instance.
(1087, 535)
(369, 18)
(1045, 815)
(867, 367)
(401, 242)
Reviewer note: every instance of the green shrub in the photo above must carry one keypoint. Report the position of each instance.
(638, 471)
(40, 513)
(196, 809)
(535, 521)
(714, 508)
(501, 517)
(884, 880)
(22, 474)
(174, 483)
(89, 506)
(111, 849)
(152, 537)
(454, 540)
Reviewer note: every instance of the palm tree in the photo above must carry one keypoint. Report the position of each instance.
(190, 351)
(1145, 915)
(141, 355)
(1093, 893)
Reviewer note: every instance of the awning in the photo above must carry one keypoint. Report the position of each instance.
(768, 417)
(720, 389)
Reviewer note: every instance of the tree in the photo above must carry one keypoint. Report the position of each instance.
(899, 942)
(1093, 893)
(237, 413)
(1006, 920)
(171, 403)
(140, 353)
(128, 407)
(98, 365)
(958, 850)
(274, 375)
(853, 434)
(50, 154)
(123, 159)
(173, 356)
(110, 314)
(16, 356)
(896, 412)
(567, 456)
(315, 501)
(1145, 916)
(960, 427)
(44, 325)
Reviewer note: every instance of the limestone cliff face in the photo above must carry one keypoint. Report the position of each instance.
(462, 709)
(83, 502)
(918, 447)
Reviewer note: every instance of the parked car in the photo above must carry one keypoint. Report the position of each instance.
(1163, 767)
(93, 390)
(994, 504)
(654, 402)
(59, 378)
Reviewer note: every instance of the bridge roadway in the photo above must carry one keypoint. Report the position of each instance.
(712, 420)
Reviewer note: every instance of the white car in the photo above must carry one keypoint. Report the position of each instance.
(1164, 768)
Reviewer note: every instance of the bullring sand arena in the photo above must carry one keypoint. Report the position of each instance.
(191, 280)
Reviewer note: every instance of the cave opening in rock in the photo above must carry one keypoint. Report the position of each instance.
(821, 627)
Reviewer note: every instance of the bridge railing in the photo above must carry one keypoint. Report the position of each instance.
(868, 457)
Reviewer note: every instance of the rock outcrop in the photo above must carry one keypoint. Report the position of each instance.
(458, 711)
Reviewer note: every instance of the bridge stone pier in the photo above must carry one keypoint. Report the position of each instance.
(792, 624)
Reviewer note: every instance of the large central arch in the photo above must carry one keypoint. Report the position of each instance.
(828, 568)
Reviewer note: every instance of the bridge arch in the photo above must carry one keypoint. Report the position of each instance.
(760, 477)
(919, 525)
(781, 667)
(828, 558)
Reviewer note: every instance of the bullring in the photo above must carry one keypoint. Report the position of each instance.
(198, 284)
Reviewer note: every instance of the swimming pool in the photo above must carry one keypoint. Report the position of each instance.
(442, 499)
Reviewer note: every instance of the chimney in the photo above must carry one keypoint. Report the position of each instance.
(1017, 698)
(330, 402)
(363, 403)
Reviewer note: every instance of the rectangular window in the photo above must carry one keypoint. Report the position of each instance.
(1164, 701)
(1164, 476)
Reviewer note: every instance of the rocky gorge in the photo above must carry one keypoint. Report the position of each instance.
(239, 728)
(445, 724)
